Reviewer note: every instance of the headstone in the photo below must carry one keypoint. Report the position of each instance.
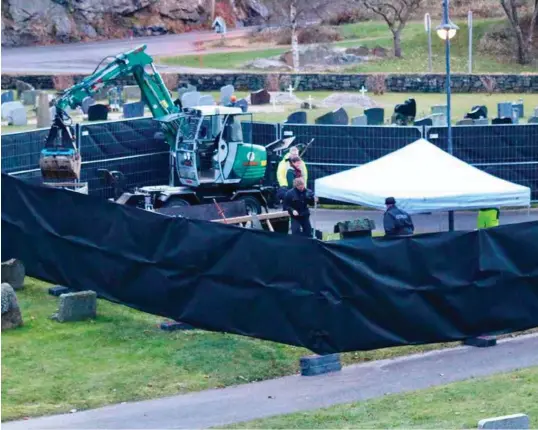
(44, 118)
(184, 89)
(206, 100)
(17, 117)
(519, 107)
(533, 120)
(423, 122)
(133, 110)
(465, 122)
(115, 98)
(516, 421)
(477, 112)
(11, 313)
(226, 93)
(13, 272)
(190, 99)
(515, 115)
(77, 306)
(29, 98)
(8, 96)
(297, 118)
(243, 104)
(22, 86)
(336, 117)
(98, 112)
(442, 109)
(10, 106)
(504, 120)
(438, 119)
(58, 290)
(504, 109)
(260, 97)
(131, 92)
(86, 103)
(375, 116)
(481, 121)
(359, 120)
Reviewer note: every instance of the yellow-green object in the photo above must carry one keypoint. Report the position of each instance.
(488, 218)
(283, 168)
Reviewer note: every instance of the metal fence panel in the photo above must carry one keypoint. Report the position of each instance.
(260, 133)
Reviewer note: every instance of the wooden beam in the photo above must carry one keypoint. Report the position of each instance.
(247, 218)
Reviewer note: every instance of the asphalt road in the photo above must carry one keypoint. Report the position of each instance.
(299, 393)
(84, 57)
(325, 219)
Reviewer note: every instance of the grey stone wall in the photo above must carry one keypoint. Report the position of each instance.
(421, 83)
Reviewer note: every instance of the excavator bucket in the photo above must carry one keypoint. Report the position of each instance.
(60, 159)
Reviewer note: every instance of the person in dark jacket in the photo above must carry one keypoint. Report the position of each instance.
(296, 203)
(396, 221)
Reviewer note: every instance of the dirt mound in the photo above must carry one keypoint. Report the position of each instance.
(349, 99)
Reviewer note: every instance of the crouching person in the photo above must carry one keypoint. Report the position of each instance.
(296, 203)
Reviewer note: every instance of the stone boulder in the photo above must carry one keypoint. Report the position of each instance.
(11, 313)
(13, 273)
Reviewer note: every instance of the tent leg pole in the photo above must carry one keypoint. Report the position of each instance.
(451, 221)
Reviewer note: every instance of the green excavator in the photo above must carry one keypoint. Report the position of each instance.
(208, 153)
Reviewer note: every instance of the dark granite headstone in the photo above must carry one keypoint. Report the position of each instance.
(8, 96)
(260, 97)
(375, 116)
(504, 120)
(243, 104)
(297, 118)
(133, 110)
(98, 112)
(336, 117)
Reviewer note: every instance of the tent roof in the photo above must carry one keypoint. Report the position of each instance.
(422, 178)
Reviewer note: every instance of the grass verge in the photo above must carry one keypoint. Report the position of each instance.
(453, 406)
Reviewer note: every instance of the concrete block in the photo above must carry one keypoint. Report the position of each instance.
(13, 272)
(58, 290)
(516, 421)
(77, 306)
(481, 341)
(175, 325)
(313, 365)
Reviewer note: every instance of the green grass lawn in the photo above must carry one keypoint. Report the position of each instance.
(372, 33)
(455, 406)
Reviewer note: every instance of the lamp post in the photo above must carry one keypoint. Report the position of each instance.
(446, 31)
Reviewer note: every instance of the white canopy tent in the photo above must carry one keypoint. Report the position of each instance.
(422, 178)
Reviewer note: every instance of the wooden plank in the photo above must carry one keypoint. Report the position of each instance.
(261, 217)
(270, 225)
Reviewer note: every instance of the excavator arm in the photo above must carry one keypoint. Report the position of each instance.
(60, 158)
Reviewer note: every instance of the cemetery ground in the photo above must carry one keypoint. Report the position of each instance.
(375, 33)
(461, 104)
(50, 367)
(456, 405)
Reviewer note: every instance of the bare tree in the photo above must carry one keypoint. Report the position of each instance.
(524, 44)
(395, 13)
(290, 14)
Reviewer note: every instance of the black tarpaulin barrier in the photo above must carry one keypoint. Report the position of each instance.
(328, 297)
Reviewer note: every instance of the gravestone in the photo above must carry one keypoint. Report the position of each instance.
(10, 106)
(131, 92)
(226, 94)
(516, 421)
(206, 100)
(13, 273)
(44, 118)
(442, 109)
(8, 96)
(11, 312)
(423, 121)
(260, 97)
(465, 122)
(515, 115)
(533, 120)
(243, 104)
(77, 306)
(481, 121)
(297, 118)
(86, 103)
(22, 86)
(190, 99)
(336, 117)
(359, 120)
(438, 119)
(98, 112)
(375, 116)
(17, 117)
(519, 107)
(504, 110)
(133, 110)
(504, 120)
(115, 98)
(184, 89)
(29, 98)
(477, 112)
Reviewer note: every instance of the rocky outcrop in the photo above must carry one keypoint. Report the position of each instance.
(31, 22)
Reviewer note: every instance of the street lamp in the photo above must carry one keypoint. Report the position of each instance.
(446, 31)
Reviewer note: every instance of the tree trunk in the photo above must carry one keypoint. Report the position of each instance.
(294, 37)
(397, 43)
(523, 48)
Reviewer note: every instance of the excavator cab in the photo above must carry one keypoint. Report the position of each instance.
(60, 158)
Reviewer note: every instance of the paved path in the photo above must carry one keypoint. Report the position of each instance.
(298, 393)
(325, 219)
